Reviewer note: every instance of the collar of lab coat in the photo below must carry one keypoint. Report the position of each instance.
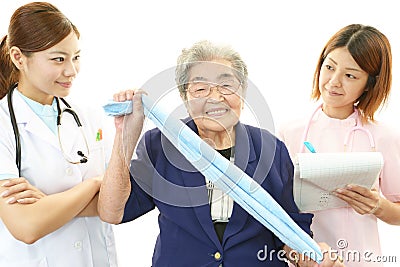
(28, 120)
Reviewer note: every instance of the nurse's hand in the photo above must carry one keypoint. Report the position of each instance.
(19, 190)
(91, 209)
(361, 199)
(98, 178)
(331, 258)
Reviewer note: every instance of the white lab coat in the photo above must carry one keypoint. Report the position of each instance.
(84, 241)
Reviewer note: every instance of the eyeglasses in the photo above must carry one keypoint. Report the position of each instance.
(203, 89)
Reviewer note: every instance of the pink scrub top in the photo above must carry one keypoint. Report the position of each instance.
(354, 236)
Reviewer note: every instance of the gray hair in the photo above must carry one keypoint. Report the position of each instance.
(207, 51)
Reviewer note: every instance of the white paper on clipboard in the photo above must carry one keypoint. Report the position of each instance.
(316, 175)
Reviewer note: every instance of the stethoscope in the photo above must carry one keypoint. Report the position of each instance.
(68, 109)
(357, 127)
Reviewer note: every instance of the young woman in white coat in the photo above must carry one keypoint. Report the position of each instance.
(48, 190)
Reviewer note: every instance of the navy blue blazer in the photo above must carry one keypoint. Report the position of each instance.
(161, 177)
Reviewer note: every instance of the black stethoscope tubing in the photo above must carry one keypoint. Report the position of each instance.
(15, 128)
(68, 109)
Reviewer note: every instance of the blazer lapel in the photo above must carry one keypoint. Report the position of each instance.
(198, 197)
(244, 156)
(200, 203)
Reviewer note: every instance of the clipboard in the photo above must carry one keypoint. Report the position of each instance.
(316, 175)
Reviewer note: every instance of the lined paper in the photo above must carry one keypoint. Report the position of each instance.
(318, 174)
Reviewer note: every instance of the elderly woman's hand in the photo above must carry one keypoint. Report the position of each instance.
(331, 259)
(135, 119)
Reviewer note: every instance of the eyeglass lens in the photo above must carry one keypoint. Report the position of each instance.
(203, 89)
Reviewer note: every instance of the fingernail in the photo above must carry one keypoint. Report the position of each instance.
(4, 193)
(5, 183)
(11, 200)
(339, 190)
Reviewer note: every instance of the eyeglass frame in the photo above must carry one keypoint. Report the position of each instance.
(210, 86)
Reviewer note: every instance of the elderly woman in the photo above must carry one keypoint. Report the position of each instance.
(199, 224)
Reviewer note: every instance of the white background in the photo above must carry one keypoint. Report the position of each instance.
(125, 43)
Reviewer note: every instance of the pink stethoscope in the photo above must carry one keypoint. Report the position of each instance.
(347, 138)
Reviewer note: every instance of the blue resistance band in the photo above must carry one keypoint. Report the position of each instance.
(227, 176)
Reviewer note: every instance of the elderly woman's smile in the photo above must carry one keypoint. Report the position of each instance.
(217, 112)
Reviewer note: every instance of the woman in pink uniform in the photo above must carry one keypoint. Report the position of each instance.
(353, 79)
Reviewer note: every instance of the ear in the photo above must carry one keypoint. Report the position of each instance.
(185, 102)
(183, 96)
(17, 57)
